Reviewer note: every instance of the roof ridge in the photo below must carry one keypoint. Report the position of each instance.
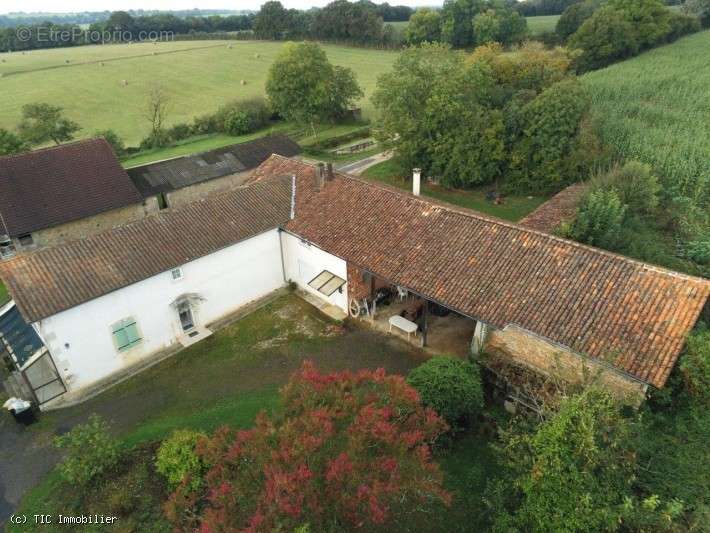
(471, 213)
(56, 147)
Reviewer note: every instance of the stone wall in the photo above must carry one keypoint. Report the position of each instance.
(195, 192)
(85, 227)
(527, 349)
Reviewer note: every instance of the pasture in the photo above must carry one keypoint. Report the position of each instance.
(538, 25)
(654, 108)
(106, 86)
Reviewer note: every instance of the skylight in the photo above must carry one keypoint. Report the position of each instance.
(326, 283)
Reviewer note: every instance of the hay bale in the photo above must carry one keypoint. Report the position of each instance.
(230, 46)
(256, 56)
(102, 63)
(243, 82)
(124, 83)
(67, 61)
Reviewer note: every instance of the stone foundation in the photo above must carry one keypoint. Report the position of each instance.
(529, 350)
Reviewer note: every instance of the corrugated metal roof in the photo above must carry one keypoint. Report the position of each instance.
(173, 174)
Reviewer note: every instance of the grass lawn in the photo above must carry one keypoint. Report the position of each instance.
(4, 296)
(198, 76)
(227, 379)
(538, 25)
(513, 208)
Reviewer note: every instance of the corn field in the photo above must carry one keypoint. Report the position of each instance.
(656, 108)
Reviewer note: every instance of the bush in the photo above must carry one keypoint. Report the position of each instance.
(91, 451)
(156, 139)
(450, 386)
(574, 16)
(349, 451)
(698, 8)
(179, 132)
(635, 183)
(114, 140)
(600, 219)
(241, 117)
(605, 37)
(177, 459)
(695, 367)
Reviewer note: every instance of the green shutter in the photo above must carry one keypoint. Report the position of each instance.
(132, 333)
(125, 334)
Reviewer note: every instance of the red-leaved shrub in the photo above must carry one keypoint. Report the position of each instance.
(351, 450)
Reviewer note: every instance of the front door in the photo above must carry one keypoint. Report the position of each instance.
(186, 320)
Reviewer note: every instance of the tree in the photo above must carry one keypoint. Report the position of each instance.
(272, 21)
(574, 473)
(486, 27)
(119, 148)
(10, 143)
(348, 21)
(424, 26)
(605, 37)
(156, 112)
(574, 16)
(44, 122)
(698, 8)
(351, 450)
(549, 127)
(303, 86)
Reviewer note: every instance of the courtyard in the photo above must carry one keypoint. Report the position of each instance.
(225, 379)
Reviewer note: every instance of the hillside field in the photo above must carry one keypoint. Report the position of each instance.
(199, 76)
(656, 108)
(541, 24)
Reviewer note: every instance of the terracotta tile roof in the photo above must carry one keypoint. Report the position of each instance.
(558, 209)
(55, 185)
(51, 280)
(633, 315)
(173, 174)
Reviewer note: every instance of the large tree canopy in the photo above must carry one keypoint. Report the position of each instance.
(43, 122)
(303, 86)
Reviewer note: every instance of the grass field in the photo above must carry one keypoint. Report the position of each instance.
(199, 76)
(538, 25)
(4, 296)
(655, 108)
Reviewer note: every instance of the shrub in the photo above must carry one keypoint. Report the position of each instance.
(350, 450)
(600, 219)
(177, 459)
(179, 132)
(698, 8)
(635, 183)
(91, 451)
(114, 140)
(574, 16)
(450, 386)
(156, 139)
(695, 367)
(11, 143)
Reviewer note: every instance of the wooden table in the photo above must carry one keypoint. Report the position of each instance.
(405, 325)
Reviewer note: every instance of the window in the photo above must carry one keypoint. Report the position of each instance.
(7, 249)
(327, 283)
(125, 334)
(26, 239)
(176, 273)
(162, 201)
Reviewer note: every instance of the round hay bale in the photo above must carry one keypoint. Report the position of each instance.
(256, 56)
(243, 82)
(102, 63)
(124, 82)
(67, 61)
(230, 46)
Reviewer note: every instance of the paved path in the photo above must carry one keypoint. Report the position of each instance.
(358, 167)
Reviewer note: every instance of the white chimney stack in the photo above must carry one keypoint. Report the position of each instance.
(416, 181)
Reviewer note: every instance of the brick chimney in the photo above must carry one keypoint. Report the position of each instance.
(416, 181)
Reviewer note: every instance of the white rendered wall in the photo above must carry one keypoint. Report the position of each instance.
(80, 339)
(303, 262)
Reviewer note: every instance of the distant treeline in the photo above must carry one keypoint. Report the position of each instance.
(536, 8)
(13, 20)
(361, 22)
